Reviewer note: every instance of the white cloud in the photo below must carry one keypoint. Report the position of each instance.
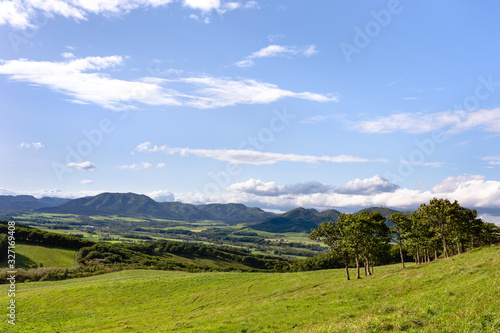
(470, 191)
(84, 81)
(251, 5)
(434, 164)
(203, 5)
(492, 160)
(221, 7)
(259, 188)
(453, 121)
(429, 164)
(280, 51)
(275, 37)
(32, 145)
(85, 166)
(369, 186)
(20, 14)
(272, 51)
(314, 120)
(250, 156)
(87, 182)
(67, 55)
(161, 165)
(140, 166)
(161, 196)
(245, 63)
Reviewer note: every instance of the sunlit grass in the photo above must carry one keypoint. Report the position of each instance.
(460, 294)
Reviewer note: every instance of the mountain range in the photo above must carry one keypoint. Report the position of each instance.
(142, 206)
(22, 203)
(139, 205)
(297, 220)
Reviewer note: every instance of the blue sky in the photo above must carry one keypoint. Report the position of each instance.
(275, 104)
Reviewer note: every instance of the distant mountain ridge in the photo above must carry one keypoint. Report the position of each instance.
(297, 220)
(139, 205)
(142, 206)
(24, 203)
(303, 220)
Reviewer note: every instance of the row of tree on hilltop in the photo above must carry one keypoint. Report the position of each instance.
(440, 229)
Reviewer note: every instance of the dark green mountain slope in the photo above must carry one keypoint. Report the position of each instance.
(234, 213)
(297, 220)
(23, 203)
(124, 204)
(137, 205)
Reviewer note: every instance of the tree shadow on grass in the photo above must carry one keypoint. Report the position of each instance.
(21, 262)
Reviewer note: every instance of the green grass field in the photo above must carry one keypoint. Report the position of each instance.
(460, 294)
(28, 255)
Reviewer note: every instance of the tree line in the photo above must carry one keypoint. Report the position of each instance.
(28, 234)
(440, 228)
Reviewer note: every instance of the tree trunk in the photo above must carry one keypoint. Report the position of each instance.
(366, 267)
(357, 267)
(418, 256)
(458, 247)
(347, 272)
(445, 250)
(435, 253)
(401, 254)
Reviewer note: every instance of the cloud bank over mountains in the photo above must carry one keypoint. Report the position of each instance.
(471, 191)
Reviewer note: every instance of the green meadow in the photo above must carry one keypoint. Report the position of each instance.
(30, 255)
(459, 294)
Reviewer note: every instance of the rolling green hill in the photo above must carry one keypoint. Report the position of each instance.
(459, 294)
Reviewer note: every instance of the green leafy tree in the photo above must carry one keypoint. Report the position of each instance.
(438, 215)
(401, 227)
(373, 234)
(333, 235)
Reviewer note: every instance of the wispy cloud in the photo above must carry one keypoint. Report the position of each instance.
(428, 164)
(250, 156)
(20, 14)
(84, 80)
(452, 121)
(32, 145)
(23, 14)
(67, 55)
(281, 50)
(273, 51)
(85, 166)
(315, 120)
(87, 182)
(140, 166)
(492, 160)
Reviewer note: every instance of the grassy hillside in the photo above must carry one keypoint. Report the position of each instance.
(28, 255)
(460, 294)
